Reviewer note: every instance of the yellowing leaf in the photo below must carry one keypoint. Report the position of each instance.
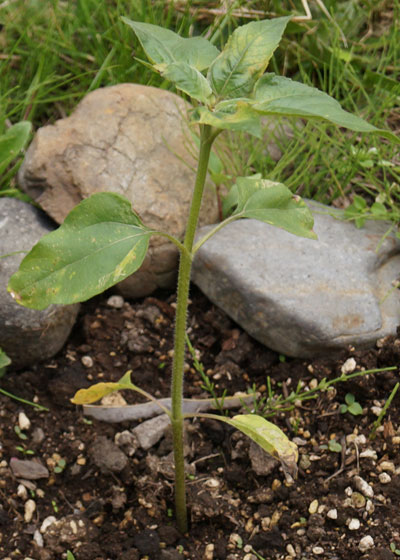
(96, 392)
(270, 438)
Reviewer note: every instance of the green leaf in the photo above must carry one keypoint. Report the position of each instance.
(4, 359)
(355, 409)
(276, 95)
(12, 142)
(101, 242)
(187, 79)
(270, 202)
(233, 114)
(245, 57)
(269, 437)
(163, 46)
(349, 398)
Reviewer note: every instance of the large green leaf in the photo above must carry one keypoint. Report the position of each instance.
(269, 437)
(232, 114)
(187, 79)
(101, 242)
(245, 57)
(12, 142)
(276, 95)
(163, 46)
(269, 202)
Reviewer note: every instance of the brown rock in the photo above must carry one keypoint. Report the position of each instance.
(132, 140)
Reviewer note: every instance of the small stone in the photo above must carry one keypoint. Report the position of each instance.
(291, 551)
(87, 361)
(376, 410)
(384, 478)
(387, 466)
(107, 456)
(47, 522)
(366, 543)
(38, 436)
(304, 462)
(30, 470)
(353, 524)
(209, 552)
(313, 507)
(358, 500)
(369, 508)
(349, 366)
(127, 441)
(262, 463)
(23, 421)
(117, 302)
(318, 550)
(363, 486)
(37, 537)
(332, 514)
(22, 492)
(113, 399)
(30, 507)
(149, 432)
(369, 454)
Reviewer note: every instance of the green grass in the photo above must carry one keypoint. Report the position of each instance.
(55, 52)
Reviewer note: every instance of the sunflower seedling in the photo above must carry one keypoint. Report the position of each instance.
(103, 240)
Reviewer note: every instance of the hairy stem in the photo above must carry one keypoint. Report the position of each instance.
(185, 266)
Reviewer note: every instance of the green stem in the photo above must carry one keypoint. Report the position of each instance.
(185, 264)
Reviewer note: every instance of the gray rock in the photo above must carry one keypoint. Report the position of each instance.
(303, 297)
(27, 335)
(30, 470)
(132, 140)
(107, 456)
(151, 431)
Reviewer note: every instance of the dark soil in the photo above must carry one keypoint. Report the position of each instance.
(117, 503)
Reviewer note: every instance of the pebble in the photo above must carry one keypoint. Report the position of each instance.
(117, 302)
(376, 410)
(369, 454)
(313, 507)
(366, 543)
(30, 507)
(291, 551)
(87, 361)
(149, 432)
(47, 522)
(384, 478)
(369, 508)
(332, 514)
(22, 492)
(31, 470)
(353, 524)
(387, 466)
(363, 486)
(209, 552)
(23, 421)
(318, 550)
(37, 537)
(358, 500)
(349, 366)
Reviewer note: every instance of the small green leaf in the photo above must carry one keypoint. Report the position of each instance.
(101, 242)
(355, 409)
(343, 408)
(276, 95)
(245, 57)
(187, 79)
(334, 446)
(269, 202)
(4, 359)
(163, 46)
(233, 114)
(269, 437)
(349, 398)
(12, 142)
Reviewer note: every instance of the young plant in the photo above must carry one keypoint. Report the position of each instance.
(351, 405)
(102, 241)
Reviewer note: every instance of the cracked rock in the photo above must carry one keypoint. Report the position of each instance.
(128, 139)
